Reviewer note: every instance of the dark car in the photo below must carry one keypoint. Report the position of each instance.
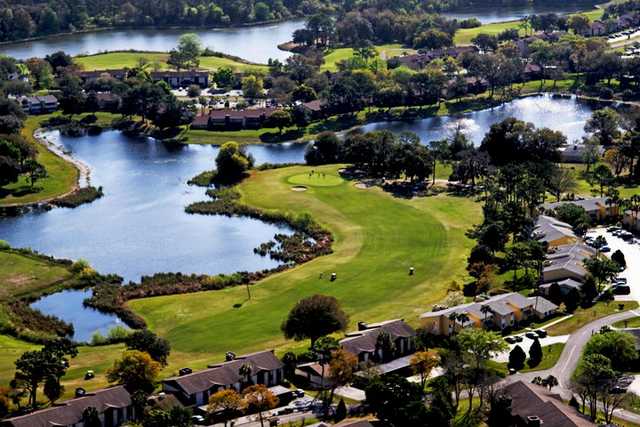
(518, 338)
(621, 290)
(531, 335)
(541, 333)
(510, 340)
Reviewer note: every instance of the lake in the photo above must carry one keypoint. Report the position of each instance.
(139, 227)
(516, 12)
(566, 115)
(255, 44)
(67, 305)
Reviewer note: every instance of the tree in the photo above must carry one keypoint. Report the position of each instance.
(479, 346)
(342, 367)
(36, 366)
(314, 317)
(232, 162)
(136, 369)
(550, 382)
(602, 270)
(617, 346)
(485, 42)
(227, 401)
(259, 399)
(341, 411)
(605, 125)
(145, 340)
(602, 177)
(500, 411)
(580, 24)
(574, 215)
(252, 86)
(423, 363)
(187, 53)
(562, 181)
(595, 381)
(517, 358)
(91, 417)
(280, 119)
(535, 354)
(618, 258)
(440, 411)
(325, 149)
(53, 389)
(396, 402)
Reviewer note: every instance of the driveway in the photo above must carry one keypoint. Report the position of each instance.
(631, 253)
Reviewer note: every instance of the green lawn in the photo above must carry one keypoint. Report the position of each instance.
(583, 316)
(385, 51)
(550, 355)
(630, 323)
(316, 179)
(114, 60)
(378, 237)
(464, 35)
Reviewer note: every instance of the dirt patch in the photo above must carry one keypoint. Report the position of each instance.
(363, 185)
(299, 188)
(19, 279)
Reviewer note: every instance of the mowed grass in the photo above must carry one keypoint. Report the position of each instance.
(550, 355)
(582, 316)
(378, 237)
(385, 52)
(316, 179)
(465, 35)
(115, 60)
(62, 176)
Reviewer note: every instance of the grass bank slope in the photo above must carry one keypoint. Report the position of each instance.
(378, 237)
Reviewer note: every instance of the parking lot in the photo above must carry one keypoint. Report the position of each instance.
(631, 251)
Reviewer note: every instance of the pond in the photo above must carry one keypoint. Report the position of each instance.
(567, 115)
(139, 227)
(255, 43)
(515, 12)
(67, 305)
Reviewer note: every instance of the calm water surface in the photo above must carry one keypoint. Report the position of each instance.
(67, 305)
(139, 227)
(255, 44)
(565, 115)
(514, 12)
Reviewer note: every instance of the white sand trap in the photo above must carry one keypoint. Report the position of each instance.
(299, 188)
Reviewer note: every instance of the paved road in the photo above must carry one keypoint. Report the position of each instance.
(568, 361)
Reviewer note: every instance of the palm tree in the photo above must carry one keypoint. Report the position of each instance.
(463, 318)
(485, 309)
(246, 371)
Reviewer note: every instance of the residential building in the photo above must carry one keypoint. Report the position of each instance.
(565, 285)
(39, 104)
(233, 119)
(113, 404)
(177, 79)
(365, 344)
(316, 374)
(420, 60)
(535, 406)
(195, 388)
(631, 220)
(598, 208)
(554, 232)
(567, 262)
(498, 312)
(93, 76)
(575, 153)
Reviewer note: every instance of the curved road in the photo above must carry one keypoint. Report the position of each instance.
(568, 361)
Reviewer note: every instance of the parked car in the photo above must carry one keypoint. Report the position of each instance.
(621, 279)
(531, 335)
(197, 419)
(298, 392)
(621, 290)
(510, 340)
(285, 410)
(518, 338)
(541, 333)
(605, 249)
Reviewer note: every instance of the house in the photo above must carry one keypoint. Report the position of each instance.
(365, 343)
(420, 60)
(108, 101)
(534, 406)
(598, 208)
(575, 153)
(233, 119)
(177, 79)
(498, 312)
(315, 108)
(316, 374)
(195, 388)
(566, 262)
(532, 71)
(113, 404)
(93, 76)
(565, 285)
(631, 220)
(554, 232)
(39, 104)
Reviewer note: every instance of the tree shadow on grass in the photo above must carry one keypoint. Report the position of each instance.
(21, 191)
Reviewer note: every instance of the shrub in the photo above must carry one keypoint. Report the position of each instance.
(194, 91)
(617, 257)
(4, 245)
(517, 358)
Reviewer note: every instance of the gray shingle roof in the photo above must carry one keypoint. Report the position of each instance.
(366, 340)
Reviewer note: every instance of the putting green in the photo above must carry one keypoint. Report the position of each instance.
(316, 179)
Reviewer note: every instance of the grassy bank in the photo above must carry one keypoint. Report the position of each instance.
(385, 52)
(114, 60)
(582, 316)
(378, 237)
(62, 176)
(465, 35)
